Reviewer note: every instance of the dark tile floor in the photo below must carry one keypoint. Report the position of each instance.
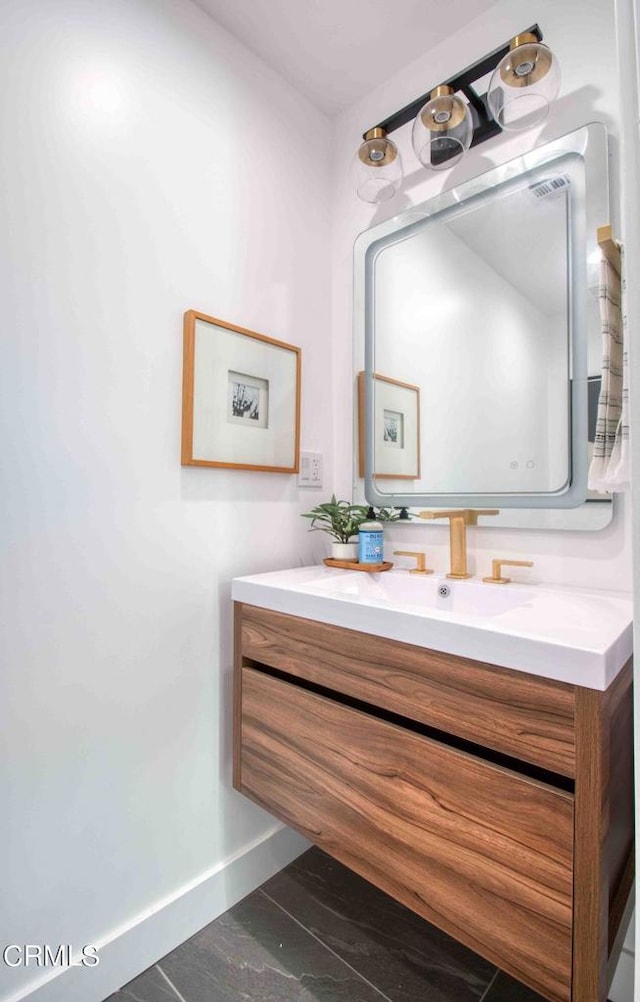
(318, 933)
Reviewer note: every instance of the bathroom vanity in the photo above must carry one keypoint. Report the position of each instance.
(477, 771)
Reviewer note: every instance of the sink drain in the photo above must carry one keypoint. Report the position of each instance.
(444, 591)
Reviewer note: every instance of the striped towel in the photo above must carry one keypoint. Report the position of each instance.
(609, 470)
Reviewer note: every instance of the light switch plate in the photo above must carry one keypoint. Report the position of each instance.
(310, 474)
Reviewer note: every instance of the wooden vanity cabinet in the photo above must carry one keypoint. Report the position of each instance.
(497, 805)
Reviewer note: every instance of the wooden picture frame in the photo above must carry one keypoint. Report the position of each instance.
(240, 398)
(397, 428)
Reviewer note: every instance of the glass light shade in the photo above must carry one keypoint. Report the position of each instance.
(524, 84)
(377, 167)
(442, 130)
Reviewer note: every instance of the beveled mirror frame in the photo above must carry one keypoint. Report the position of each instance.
(588, 143)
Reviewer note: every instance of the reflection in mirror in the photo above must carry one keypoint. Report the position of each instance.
(475, 309)
(476, 306)
(397, 428)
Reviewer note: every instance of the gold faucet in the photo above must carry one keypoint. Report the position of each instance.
(421, 561)
(496, 569)
(459, 519)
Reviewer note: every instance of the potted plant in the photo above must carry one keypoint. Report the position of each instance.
(340, 520)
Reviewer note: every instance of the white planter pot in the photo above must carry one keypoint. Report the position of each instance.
(344, 551)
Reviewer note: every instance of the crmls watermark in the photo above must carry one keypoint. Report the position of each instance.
(43, 955)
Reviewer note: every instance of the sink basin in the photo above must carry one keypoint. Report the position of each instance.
(410, 591)
(574, 635)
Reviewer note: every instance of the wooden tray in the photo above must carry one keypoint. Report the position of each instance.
(353, 565)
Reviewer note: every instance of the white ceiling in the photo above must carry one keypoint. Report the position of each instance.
(524, 240)
(336, 51)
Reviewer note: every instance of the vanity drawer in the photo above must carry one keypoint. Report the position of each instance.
(478, 850)
(516, 714)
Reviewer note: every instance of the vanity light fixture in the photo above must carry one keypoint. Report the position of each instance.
(453, 116)
(378, 167)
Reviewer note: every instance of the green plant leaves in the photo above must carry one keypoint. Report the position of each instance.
(342, 519)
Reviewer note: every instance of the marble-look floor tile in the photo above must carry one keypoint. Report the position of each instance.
(150, 986)
(257, 953)
(394, 949)
(504, 988)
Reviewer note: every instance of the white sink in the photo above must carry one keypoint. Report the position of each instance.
(410, 591)
(573, 635)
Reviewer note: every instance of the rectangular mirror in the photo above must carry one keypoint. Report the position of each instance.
(484, 301)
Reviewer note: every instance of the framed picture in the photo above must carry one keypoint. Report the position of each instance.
(397, 428)
(240, 398)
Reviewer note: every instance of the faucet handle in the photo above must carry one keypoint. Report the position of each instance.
(496, 569)
(421, 565)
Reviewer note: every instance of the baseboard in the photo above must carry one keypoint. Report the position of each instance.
(127, 951)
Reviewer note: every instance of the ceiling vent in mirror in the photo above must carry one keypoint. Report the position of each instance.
(452, 117)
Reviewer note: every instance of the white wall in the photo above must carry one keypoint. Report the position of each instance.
(583, 37)
(149, 165)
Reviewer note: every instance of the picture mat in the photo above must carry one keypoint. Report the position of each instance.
(396, 461)
(219, 351)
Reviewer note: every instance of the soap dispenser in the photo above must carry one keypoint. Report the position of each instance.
(370, 543)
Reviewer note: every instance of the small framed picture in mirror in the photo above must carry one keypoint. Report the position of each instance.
(397, 427)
